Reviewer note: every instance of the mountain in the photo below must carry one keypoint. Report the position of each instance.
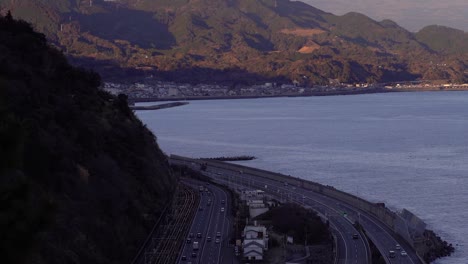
(81, 178)
(444, 39)
(235, 41)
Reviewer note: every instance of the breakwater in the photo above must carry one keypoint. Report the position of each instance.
(159, 106)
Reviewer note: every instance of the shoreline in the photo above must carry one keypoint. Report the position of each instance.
(197, 98)
(324, 93)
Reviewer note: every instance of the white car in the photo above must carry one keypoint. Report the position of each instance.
(397, 247)
(403, 253)
(222, 209)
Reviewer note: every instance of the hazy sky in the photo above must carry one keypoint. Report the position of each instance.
(411, 14)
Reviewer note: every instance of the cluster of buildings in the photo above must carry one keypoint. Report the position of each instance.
(157, 90)
(169, 90)
(255, 237)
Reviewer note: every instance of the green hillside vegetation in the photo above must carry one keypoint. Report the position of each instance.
(81, 178)
(301, 224)
(254, 40)
(444, 39)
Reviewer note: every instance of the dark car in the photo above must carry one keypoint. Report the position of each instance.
(184, 258)
(199, 235)
(355, 236)
(194, 255)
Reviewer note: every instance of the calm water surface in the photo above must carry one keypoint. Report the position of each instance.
(409, 150)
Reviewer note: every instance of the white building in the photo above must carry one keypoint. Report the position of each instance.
(253, 249)
(255, 232)
(255, 242)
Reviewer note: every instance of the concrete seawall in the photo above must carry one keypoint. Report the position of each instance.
(407, 225)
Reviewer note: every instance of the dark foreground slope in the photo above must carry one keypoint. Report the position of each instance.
(81, 179)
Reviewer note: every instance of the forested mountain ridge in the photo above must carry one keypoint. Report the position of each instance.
(238, 41)
(81, 178)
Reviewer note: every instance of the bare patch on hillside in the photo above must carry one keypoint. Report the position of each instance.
(309, 48)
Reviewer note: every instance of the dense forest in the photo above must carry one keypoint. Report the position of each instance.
(81, 178)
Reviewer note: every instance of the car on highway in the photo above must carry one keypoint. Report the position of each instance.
(355, 236)
(217, 241)
(194, 255)
(199, 235)
(222, 209)
(222, 201)
(397, 247)
(189, 240)
(208, 239)
(184, 257)
(391, 254)
(403, 253)
(218, 234)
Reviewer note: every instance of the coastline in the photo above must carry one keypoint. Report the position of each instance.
(196, 98)
(309, 94)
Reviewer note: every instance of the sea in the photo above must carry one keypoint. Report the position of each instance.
(408, 150)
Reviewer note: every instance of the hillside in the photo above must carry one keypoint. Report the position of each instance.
(236, 41)
(444, 39)
(81, 178)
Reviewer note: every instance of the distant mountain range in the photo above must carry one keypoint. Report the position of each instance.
(242, 41)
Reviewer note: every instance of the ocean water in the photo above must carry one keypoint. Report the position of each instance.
(409, 150)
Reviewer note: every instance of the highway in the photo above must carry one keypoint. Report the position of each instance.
(350, 250)
(210, 227)
(339, 214)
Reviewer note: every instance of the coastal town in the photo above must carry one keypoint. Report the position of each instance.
(166, 91)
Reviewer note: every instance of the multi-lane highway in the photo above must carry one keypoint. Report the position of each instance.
(339, 214)
(207, 241)
(352, 247)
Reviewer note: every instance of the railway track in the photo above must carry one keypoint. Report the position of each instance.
(166, 243)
